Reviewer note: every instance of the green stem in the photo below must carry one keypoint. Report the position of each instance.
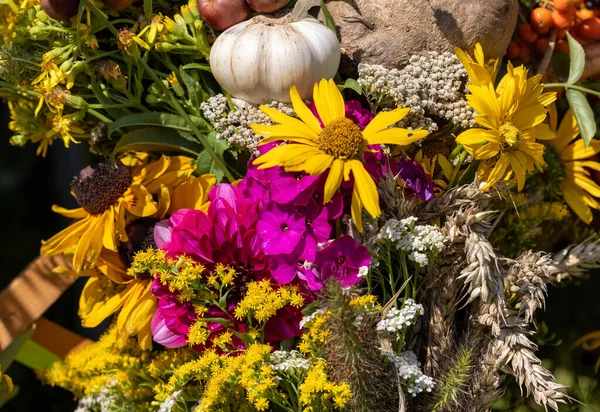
(461, 160)
(99, 116)
(180, 110)
(571, 86)
(19, 89)
(455, 152)
(101, 16)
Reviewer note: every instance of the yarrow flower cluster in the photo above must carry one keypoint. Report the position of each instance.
(408, 368)
(107, 399)
(288, 361)
(420, 242)
(433, 86)
(234, 125)
(396, 320)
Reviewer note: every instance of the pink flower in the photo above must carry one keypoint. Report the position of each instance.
(354, 111)
(342, 260)
(280, 229)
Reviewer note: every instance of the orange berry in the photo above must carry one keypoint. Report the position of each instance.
(561, 34)
(562, 46)
(541, 20)
(541, 45)
(525, 53)
(577, 2)
(562, 5)
(526, 34)
(563, 20)
(584, 14)
(589, 29)
(513, 50)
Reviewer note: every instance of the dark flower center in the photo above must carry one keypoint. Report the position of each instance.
(284, 227)
(98, 187)
(342, 138)
(341, 259)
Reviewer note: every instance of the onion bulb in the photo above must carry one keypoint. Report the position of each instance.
(267, 6)
(222, 14)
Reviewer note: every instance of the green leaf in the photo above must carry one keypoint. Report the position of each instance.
(8, 355)
(220, 321)
(198, 66)
(351, 84)
(205, 163)
(193, 88)
(35, 356)
(168, 120)
(103, 99)
(469, 175)
(157, 139)
(577, 60)
(328, 18)
(148, 9)
(583, 114)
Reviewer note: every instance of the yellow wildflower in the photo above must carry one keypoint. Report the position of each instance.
(511, 117)
(317, 392)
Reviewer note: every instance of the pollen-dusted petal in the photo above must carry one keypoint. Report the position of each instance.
(303, 112)
(384, 120)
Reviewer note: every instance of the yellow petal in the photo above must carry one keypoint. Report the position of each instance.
(487, 151)
(303, 112)
(93, 309)
(367, 190)
(447, 167)
(90, 244)
(313, 165)
(329, 101)
(79, 213)
(356, 209)
(587, 184)
(139, 202)
(397, 136)
(164, 202)
(146, 174)
(384, 120)
(334, 180)
(519, 171)
(287, 154)
(478, 136)
(294, 126)
(279, 132)
(109, 263)
(137, 290)
(187, 195)
(497, 172)
(574, 198)
(529, 117)
(543, 132)
(66, 240)
(108, 240)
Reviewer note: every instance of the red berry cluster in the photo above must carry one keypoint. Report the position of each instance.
(574, 16)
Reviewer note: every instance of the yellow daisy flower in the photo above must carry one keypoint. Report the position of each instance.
(337, 147)
(108, 197)
(579, 191)
(512, 120)
(480, 71)
(131, 296)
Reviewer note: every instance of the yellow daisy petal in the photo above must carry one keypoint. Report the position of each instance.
(574, 198)
(79, 213)
(334, 180)
(367, 190)
(397, 136)
(138, 201)
(384, 120)
(295, 126)
(303, 112)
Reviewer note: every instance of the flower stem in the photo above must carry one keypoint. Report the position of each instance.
(571, 86)
(461, 159)
(99, 116)
(180, 110)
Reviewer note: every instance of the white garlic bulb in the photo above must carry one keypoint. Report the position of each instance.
(260, 59)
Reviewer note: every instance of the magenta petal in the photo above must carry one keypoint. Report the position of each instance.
(162, 233)
(283, 269)
(163, 336)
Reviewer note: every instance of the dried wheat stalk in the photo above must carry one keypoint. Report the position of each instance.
(576, 260)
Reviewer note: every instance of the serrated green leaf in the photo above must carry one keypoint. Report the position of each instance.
(583, 114)
(8, 355)
(351, 84)
(157, 139)
(205, 162)
(35, 356)
(328, 18)
(193, 88)
(577, 60)
(168, 120)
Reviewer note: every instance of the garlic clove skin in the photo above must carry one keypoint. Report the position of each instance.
(260, 59)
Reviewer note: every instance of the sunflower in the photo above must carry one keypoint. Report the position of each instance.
(114, 289)
(109, 196)
(512, 119)
(578, 190)
(338, 146)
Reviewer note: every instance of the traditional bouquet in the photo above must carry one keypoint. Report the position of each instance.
(266, 234)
